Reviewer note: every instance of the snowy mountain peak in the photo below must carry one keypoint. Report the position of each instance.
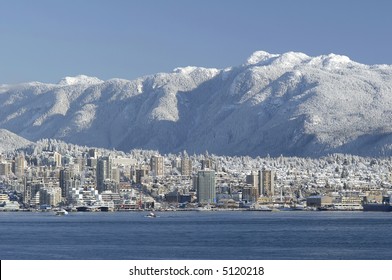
(289, 59)
(335, 59)
(260, 57)
(80, 79)
(184, 70)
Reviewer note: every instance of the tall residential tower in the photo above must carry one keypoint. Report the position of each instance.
(206, 192)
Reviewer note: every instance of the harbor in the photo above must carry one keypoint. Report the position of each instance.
(289, 235)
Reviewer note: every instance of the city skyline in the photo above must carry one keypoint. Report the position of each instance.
(56, 174)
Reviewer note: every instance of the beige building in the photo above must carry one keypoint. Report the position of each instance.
(266, 182)
(3, 197)
(206, 164)
(186, 166)
(249, 193)
(50, 196)
(57, 159)
(253, 180)
(157, 166)
(140, 174)
(19, 165)
(5, 169)
(319, 201)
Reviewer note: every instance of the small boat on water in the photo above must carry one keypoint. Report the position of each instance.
(61, 212)
(151, 215)
(298, 207)
(205, 208)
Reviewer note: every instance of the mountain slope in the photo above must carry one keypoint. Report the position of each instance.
(10, 141)
(289, 104)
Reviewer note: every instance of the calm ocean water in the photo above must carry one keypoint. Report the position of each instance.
(197, 235)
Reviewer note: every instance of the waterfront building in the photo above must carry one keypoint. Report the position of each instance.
(206, 192)
(10, 206)
(50, 196)
(249, 193)
(81, 196)
(110, 198)
(319, 201)
(266, 184)
(253, 180)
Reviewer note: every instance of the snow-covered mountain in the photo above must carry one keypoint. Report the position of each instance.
(10, 141)
(289, 104)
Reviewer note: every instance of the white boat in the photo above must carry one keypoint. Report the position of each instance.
(298, 207)
(264, 208)
(61, 212)
(205, 208)
(151, 215)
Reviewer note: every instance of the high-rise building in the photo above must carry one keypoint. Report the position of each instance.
(104, 172)
(206, 192)
(186, 166)
(206, 164)
(65, 181)
(19, 165)
(26, 192)
(176, 163)
(266, 182)
(249, 193)
(92, 153)
(57, 159)
(157, 165)
(50, 196)
(116, 175)
(5, 168)
(253, 179)
(140, 174)
(92, 162)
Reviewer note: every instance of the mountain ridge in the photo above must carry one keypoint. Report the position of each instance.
(10, 141)
(290, 104)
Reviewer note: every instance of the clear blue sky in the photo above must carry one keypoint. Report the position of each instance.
(45, 40)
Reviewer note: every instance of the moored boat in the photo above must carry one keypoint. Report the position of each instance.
(384, 206)
(377, 207)
(61, 212)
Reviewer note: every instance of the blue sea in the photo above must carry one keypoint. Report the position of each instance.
(222, 235)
